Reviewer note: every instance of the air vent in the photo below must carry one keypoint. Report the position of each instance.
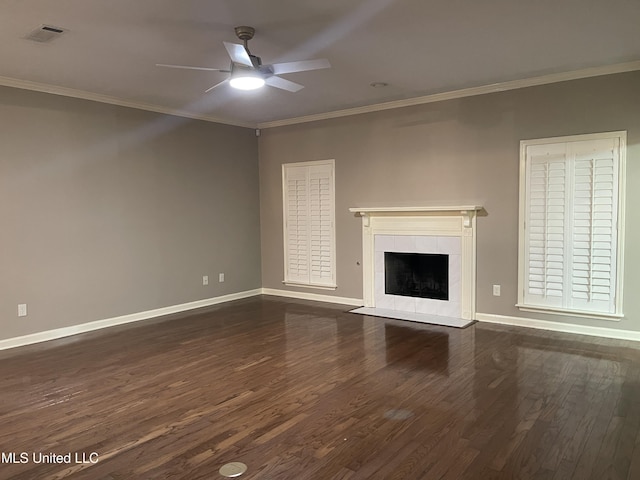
(45, 33)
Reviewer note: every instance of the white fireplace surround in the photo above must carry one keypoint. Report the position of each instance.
(448, 230)
(450, 246)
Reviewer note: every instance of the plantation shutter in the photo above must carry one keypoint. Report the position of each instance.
(595, 179)
(297, 223)
(321, 217)
(309, 224)
(570, 225)
(545, 226)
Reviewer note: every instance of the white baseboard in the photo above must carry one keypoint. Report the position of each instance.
(159, 312)
(560, 327)
(356, 302)
(110, 322)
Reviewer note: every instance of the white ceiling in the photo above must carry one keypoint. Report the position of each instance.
(418, 47)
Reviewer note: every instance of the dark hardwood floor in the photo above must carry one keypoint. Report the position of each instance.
(302, 390)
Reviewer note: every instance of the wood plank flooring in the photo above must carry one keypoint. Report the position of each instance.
(303, 390)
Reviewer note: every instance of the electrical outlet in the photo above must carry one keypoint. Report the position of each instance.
(221, 277)
(496, 290)
(205, 280)
(22, 310)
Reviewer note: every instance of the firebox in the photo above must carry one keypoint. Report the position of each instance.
(420, 275)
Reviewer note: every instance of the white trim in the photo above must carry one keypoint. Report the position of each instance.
(96, 97)
(357, 302)
(312, 163)
(466, 211)
(130, 318)
(465, 92)
(560, 327)
(438, 97)
(571, 313)
(310, 285)
(575, 138)
(622, 201)
(380, 210)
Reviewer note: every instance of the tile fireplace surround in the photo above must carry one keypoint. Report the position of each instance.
(449, 230)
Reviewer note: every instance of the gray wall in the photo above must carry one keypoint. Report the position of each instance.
(107, 211)
(455, 152)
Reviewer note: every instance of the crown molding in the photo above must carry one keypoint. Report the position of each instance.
(96, 97)
(465, 92)
(437, 97)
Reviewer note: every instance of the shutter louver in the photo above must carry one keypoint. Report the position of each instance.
(309, 224)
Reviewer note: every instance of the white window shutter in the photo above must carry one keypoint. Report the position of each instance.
(595, 184)
(297, 225)
(546, 211)
(309, 230)
(570, 207)
(321, 216)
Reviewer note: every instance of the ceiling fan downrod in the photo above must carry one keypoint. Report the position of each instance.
(245, 34)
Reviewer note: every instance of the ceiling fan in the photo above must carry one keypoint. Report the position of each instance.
(247, 71)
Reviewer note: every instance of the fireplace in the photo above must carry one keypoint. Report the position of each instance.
(419, 263)
(437, 254)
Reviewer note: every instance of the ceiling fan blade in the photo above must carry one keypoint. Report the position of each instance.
(216, 85)
(238, 53)
(292, 67)
(283, 84)
(187, 67)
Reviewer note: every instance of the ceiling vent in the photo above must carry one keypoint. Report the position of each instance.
(45, 33)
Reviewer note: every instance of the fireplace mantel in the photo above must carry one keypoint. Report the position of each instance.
(438, 221)
(430, 209)
(465, 211)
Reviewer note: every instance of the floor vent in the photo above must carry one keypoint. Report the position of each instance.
(233, 469)
(44, 33)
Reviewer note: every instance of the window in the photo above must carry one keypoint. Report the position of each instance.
(309, 232)
(571, 224)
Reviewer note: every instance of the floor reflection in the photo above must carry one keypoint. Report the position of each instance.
(416, 349)
(495, 383)
(350, 341)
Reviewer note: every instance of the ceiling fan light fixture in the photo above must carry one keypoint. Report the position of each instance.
(247, 82)
(246, 78)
